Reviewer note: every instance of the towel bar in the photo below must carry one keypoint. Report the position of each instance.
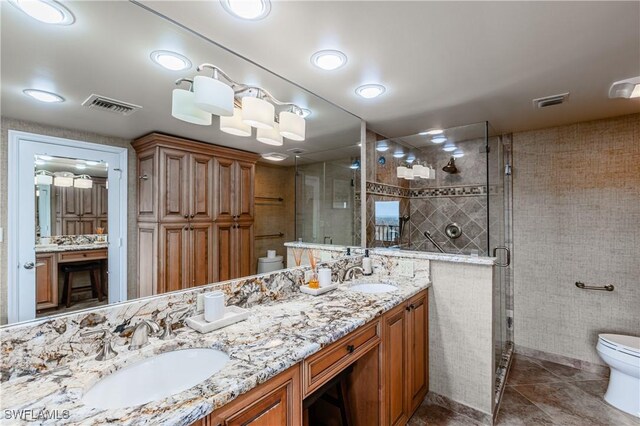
(608, 287)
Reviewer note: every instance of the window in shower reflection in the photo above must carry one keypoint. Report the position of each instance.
(387, 223)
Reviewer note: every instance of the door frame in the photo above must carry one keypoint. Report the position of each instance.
(21, 301)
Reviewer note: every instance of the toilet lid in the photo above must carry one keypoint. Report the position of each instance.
(625, 343)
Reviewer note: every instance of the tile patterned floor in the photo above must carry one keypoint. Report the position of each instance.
(541, 393)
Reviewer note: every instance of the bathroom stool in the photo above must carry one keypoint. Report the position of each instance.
(93, 268)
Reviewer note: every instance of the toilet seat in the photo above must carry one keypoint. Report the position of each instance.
(629, 345)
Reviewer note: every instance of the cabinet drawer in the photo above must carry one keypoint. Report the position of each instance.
(79, 256)
(322, 366)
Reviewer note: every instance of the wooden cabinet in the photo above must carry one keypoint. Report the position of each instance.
(46, 281)
(81, 210)
(275, 403)
(200, 196)
(405, 359)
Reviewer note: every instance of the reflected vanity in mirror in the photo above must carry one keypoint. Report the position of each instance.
(189, 202)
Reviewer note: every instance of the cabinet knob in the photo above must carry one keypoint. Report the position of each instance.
(408, 308)
(186, 216)
(143, 177)
(350, 348)
(192, 216)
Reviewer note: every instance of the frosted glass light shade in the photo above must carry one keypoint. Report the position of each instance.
(409, 175)
(270, 136)
(420, 171)
(83, 182)
(432, 173)
(257, 113)
(234, 125)
(401, 171)
(213, 96)
(292, 126)
(42, 179)
(183, 108)
(63, 179)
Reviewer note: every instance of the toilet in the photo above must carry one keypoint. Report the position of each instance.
(269, 264)
(622, 355)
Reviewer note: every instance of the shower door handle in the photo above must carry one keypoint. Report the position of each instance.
(495, 252)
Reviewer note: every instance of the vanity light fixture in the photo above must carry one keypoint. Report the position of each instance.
(43, 177)
(431, 132)
(305, 112)
(370, 91)
(258, 113)
(45, 157)
(43, 95)
(449, 147)
(83, 182)
(275, 156)
(170, 60)
(183, 105)
(213, 95)
(382, 146)
(63, 179)
(251, 10)
(292, 125)
(270, 136)
(234, 125)
(628, 89)
(46, 11)
(401, 172)
(418, 171)
(91, 163)
(39, 162)
(458, 153)
(438, 139)
(81, 166)
(329, 60)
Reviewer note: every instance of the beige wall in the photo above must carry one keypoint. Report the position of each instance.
(274, 216)
(12, 124)
(576, 218)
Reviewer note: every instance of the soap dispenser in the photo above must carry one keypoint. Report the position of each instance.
(366, 263)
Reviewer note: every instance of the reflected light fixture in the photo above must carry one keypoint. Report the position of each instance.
(258, 113)
(292, 125)
(91, 163)
(183, 105)
(170, 60)
(251, 10)
(398, 154)
(401, 172)
(39, 162)
(439, 139)
(63, 179)
(458, 153)
(46, 157)
(270, 136)
(355, 165)
(431, 132)
(275, 156)
(46, 11)
(449, 146)
(329, 60)
(382, 146)
(305, 112)
(370, 91)
(411, 158)
(234, 125)
(83, 182)
(43, 95)
(628, 89)
(43, 177)
(81, 166)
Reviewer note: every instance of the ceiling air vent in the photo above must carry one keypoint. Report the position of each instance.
(112, 105)
(548, 101)
(296, 151)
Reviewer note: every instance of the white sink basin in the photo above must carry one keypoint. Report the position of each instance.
(155, 378)
(373, 288)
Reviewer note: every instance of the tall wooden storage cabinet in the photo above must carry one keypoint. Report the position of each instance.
(195, 213)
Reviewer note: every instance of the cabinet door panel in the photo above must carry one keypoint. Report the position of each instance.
(173, 257)
(243, 250)
(395, 344)
(70, 203)
(201, 188)
(147, 191)
(418, 379)
(224, 267)
(223, 189)
(102, 198)
(147, 259)
(174, 174)
(201, 253)
(87, 200)
(46, 281)
(269, 411)
(243, 190)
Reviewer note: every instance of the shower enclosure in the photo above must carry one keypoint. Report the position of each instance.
(461, 207)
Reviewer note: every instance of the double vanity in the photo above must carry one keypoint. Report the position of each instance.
(361, 350)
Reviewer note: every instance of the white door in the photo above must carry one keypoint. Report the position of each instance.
(23, 148)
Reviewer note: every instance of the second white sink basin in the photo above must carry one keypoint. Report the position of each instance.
(373, 288)
(155, 378)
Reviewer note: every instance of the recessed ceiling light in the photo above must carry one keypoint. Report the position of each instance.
(369, 91)
(43, 95)
(252, 10)
(382, 146)
(432, 132)
(398, 154)
(170, 60)
(274, 156)
(458, 153)
(81, 166)
(329, 60)
(305, 112)
(439, 139)
(47, 11)
(411, 158)
(449, 146)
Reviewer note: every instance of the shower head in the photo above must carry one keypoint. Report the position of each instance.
(451, 166)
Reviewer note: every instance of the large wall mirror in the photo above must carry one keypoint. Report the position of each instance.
(76, 97)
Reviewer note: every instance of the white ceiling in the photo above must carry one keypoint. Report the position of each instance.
(106, 51)
(444, 63)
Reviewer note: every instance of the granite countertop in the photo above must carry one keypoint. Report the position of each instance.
(70, 247)
(276, 336)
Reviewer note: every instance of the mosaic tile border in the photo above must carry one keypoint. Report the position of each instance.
(376, 188)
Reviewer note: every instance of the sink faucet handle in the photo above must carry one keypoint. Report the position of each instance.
(170, 318)
(141, 332)
(106, 350)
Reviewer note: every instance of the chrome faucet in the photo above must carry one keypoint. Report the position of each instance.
(349, 273)
(106, 350)
(140, 336)
(168, 333)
